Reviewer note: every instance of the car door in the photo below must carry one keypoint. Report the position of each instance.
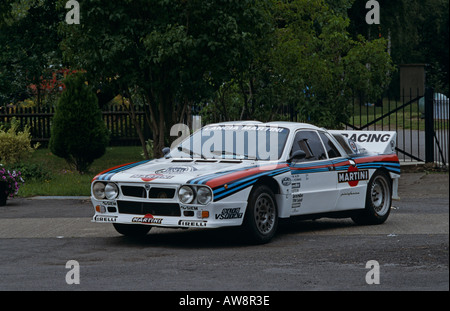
(351, 181)
(313, 175)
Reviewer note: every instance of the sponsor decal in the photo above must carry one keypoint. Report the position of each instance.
(353, 146)
(150, 177)
(230, 213)
(353, 176)
(192, 223)
(99, 218)
(369, 138)
(189, 208)
(176, 170)
(147, 219)
(297, 200)
(349, 193)
(286, 181)
(296, 185)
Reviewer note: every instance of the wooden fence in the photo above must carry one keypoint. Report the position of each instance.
(117, 120)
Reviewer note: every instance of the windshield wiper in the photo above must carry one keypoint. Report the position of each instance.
(224, 152)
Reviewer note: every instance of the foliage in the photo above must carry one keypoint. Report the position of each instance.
(149, 147)
(165, 55)
(78, 133)
(15, 144)
(31, 171)
(311, 66)
(248, 59)
(30, 52)
(13, 181)
(417, 32)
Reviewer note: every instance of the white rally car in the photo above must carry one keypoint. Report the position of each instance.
(251, 174)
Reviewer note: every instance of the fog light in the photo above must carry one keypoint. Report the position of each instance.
(100, 209)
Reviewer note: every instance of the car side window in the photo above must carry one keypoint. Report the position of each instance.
(310, 143)
(330, 147)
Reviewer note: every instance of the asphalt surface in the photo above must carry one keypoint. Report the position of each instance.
(38, 236)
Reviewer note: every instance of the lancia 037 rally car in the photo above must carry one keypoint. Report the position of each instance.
(251, 174)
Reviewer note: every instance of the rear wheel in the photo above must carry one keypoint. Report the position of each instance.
(378, 200)
(132, 230)
(261, 216)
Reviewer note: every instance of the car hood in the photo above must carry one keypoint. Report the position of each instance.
(171, 170)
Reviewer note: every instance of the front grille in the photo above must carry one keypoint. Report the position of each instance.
(131, 191)
(143, 208)
(153, 193)
(161, 193)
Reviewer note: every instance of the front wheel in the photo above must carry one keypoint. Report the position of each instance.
(261, 216)
(132, 230)
(378, 201)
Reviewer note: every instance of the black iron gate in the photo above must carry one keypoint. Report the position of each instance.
(421, 123)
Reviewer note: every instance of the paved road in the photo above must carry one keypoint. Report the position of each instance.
(38, 237)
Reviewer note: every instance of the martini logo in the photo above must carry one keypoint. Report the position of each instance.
(353, 176)
(147, 219)
(150, 177)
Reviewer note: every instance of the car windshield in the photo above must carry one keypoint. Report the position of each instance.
(241, 142)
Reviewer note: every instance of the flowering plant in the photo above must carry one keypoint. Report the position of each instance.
(13, 181)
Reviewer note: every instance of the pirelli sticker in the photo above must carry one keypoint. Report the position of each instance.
(353, 176)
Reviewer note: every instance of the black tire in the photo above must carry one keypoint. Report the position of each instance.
(132, 230)
(378, 201)
(261, 217)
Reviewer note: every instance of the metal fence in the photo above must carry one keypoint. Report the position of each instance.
(117, 120)
(421, 123)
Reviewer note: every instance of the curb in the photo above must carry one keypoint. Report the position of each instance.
(55, 197)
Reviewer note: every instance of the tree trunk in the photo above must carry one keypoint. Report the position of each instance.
(137, 126)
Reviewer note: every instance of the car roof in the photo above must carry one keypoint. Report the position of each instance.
(286, 124)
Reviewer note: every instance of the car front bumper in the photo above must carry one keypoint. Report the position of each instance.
(173, 215)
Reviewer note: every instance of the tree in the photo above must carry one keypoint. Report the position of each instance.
(78, 133)
(309, 69)
(30, 52)
(163, 55)
(416, 31)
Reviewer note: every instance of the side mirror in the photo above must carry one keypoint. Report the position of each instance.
(165, 151)
(298, 155)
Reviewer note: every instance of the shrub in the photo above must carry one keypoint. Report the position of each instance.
(31, 171)
(78, 133)
(15, 145)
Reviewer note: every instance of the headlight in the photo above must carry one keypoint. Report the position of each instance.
(99, 190)
(111, 191)
(186, 194)
(204, 195)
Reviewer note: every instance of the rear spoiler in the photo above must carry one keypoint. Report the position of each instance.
(381, 142)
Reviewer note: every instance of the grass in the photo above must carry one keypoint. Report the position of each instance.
(406, 118)
(65, 181)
